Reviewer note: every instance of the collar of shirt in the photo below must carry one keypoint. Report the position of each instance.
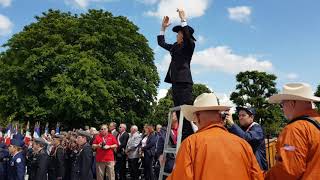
(310, 113)
(212, 126)
(16, 154)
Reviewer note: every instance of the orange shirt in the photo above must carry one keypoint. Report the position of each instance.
(214, 153)
(298, 151)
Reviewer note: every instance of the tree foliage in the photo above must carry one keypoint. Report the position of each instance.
(78, 69)
(253, 89)
(160, 115)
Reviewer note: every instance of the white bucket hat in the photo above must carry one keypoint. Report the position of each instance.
(204, 102)
(294, 91)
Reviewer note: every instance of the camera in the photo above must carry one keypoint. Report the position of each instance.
(103, 144)
(224, 115)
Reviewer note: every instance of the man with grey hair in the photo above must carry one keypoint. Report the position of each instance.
(122, 139)
(104, 144)
(298, 145)
(132, 151)
(158, 128)
(113, 129)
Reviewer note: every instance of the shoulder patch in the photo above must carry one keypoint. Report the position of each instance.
(18, 160)
(289, 147)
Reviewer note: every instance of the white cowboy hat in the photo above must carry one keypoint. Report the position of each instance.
(294, 91)
(204, 102)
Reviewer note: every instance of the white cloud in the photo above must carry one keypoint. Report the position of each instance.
(5, 25)
(83, 4)
(224, 100)
(292, 76)
(164, 64)
(5, 3)
(221, 58)
(240, 14)
(162, 93)
(193, 8)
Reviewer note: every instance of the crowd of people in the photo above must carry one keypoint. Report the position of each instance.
(113, 153)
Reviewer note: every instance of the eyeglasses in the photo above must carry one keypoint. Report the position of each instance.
(103, 129)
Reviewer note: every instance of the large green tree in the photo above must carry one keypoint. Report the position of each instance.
(78, 69)
(253, 89)
(160, 115)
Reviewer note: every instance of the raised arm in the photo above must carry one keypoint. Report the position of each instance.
(160, 38)
(187, 35)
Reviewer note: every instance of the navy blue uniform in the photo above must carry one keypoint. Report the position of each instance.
(4, 161)
(16, 169)
(39, 166)
(255, 137)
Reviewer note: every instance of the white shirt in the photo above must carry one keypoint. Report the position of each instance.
(119, 138)
(144, 141)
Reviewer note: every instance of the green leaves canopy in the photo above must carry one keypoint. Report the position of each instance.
(78, 69)
(253, 89)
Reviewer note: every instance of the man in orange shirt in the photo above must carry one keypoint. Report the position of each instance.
(298, 146)
(212, 152)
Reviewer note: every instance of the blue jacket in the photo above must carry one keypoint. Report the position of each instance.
(255, 137)
(150, 148)
(4, 161)
(16, 169)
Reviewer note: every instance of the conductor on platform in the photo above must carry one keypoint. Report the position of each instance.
(179, 74)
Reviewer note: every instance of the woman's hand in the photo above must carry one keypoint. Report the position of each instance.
(165, 23)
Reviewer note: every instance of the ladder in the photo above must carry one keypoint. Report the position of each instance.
(167, 149)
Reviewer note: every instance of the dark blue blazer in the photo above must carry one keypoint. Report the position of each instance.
(255, 138)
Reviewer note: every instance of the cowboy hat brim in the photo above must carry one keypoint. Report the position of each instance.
(276, 99)
(179, 28)
(188, 110)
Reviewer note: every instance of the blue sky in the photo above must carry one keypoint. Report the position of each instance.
(280, 37)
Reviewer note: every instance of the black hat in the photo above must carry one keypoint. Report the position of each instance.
(179, 28)
(3, 145)
(17, 142)
(40, 141)
(83, 133)
(18, 136)
(249, 110)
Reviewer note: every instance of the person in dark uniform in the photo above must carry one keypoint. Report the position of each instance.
(57, 165)
(29, 158)
(40, 160)
(4, 161)
(74, 158)
(85, 155)
(16, 170)
(179, 73)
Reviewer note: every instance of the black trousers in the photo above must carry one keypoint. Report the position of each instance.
(120, 167)
(147, 167)
(133, 168)
(182, 94)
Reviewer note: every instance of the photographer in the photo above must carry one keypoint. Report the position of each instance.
(104, 144)
(251, 132)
